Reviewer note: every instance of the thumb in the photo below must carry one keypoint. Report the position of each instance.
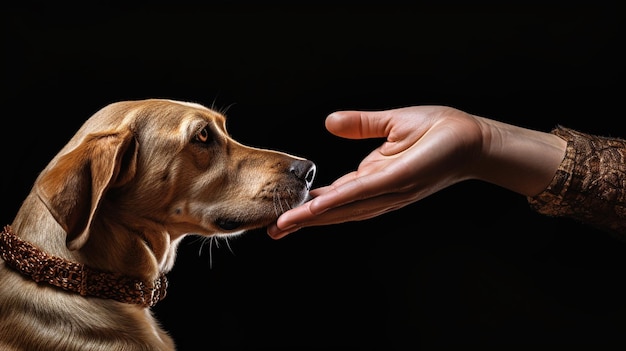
(358, 124)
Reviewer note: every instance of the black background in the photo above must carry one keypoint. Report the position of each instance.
(471, 265)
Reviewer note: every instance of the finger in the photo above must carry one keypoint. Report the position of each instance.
(276, 233)
(356, 211)
(279, 230)
(358, 124)
(339, 181)
(358, 190)
(352, 187)
(286, 223)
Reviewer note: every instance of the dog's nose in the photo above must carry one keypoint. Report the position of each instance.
(303, 170)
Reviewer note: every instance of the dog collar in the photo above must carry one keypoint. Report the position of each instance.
(76, 277)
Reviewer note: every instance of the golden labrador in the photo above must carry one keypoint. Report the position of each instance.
(86, 255)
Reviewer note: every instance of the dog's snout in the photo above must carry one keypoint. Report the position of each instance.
(303, 170)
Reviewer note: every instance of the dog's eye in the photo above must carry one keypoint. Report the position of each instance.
(203, 136)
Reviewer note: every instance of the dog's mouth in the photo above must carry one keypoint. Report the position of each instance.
(275, 200)
(228, 224)
(264, 217)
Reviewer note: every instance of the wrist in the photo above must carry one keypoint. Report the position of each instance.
(519, 159)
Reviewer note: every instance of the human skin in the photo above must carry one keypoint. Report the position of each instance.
(426, 149)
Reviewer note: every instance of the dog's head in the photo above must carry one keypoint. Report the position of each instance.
(169, 165)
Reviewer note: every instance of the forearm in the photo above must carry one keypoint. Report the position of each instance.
(518, 159)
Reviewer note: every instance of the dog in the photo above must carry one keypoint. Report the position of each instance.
(87, 253)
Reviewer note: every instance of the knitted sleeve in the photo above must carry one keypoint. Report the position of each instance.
(590, 184)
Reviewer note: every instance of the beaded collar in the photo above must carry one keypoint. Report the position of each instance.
(76, 277)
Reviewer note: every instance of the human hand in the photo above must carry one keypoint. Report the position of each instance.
(427, 148)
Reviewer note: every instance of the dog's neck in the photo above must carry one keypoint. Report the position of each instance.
(76, 277)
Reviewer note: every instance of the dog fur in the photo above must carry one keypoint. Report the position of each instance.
(136, 178)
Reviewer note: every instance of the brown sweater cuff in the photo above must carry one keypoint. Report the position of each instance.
(590, 184)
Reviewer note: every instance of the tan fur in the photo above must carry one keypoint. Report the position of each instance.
(119, 197)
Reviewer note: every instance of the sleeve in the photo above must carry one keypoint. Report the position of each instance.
(590, 184)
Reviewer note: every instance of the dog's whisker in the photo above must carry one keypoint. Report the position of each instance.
(228, 245)
(287, 206)
(211, 240)
(276, 203)
(214, 242)
(200, 249)
(202, 241)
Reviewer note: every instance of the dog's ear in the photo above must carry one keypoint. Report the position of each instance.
(73, 187)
